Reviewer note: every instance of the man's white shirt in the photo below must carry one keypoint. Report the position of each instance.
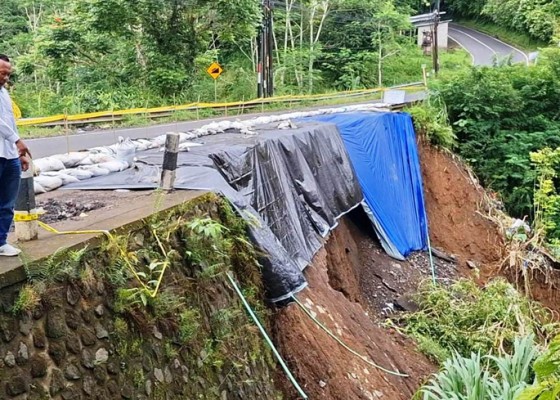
(8, 128)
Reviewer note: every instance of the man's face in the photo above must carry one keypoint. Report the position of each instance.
(5, 72)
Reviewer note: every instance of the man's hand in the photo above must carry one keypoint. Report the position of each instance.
(25, 163)
(23, 150)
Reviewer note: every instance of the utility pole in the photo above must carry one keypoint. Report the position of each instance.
(435, 40)
(265, 45)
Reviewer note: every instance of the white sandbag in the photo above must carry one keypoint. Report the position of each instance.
(66, 179)
(37, 188)
(85, 161)
(72, 159)
(100, 158)
(47, 164)
(114, 166)
(95, 170)
(186, 146)
(126, 150)
(49, 183)
(141, 144)
(78, 173)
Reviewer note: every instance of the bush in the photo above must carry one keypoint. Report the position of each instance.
(466, 318)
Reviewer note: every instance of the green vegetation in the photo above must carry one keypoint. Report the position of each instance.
(500, 116)
(538, 18)
(465, 318)
(547, 375)
(484, 377)
(89, 55)
(189, 302)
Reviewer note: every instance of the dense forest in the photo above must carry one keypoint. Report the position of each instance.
(91, 55)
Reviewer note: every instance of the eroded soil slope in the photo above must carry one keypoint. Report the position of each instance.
(326, 369)
(455, 202)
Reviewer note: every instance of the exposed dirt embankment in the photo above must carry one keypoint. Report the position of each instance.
(326, 369)
(454, 203)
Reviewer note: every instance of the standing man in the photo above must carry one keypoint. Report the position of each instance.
(13, 158)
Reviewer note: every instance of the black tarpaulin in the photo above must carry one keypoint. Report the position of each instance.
(295, 183)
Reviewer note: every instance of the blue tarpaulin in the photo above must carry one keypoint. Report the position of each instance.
(383, 151)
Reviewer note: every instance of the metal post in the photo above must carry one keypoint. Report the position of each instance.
(170, 161)
(26, 226)
(436, 39)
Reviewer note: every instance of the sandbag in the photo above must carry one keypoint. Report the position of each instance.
(37, 188)
(78, 173)
(95, 170)
(72, 159)
(126, 150)
(100, 158)
(49, 183)
(114, 166)
(66, 179)
(47, 164)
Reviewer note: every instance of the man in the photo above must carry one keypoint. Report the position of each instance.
(13, 158)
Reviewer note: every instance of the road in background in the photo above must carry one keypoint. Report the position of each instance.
(483, 48)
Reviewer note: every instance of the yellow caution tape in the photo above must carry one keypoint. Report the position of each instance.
(21, 217)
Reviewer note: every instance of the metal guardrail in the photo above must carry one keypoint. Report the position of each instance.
(240, 107)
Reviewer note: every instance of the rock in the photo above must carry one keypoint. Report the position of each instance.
(322, 384)
(38, 313)
(113, 387)
(100, 288)
(101, 356)
(471, 264)
(176, 363)
(10, 359)
(23, 354)
(57, 382)
(72, 372)
(101, 332)
(39, 338)
(158, 373)
(100, 374)
(185, 371)
(157, 334)
(72, 295)
(112, 368)
(72, 319)
(73, 344)
(25, 325)
(406, 303)
(88, 337)
(39, 366)
(87, 316)
(56, 324)
(8, 329)
(71, 394)
(127, 392)
(146, 363)
(168, 375)
(148, 387)
(57, 351)
(16, 386)
(89, 385)
(87, 359)
(99, 310)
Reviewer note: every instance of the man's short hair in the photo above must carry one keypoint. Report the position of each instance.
(4, 57)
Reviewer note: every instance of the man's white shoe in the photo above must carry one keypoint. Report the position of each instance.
(9, 251)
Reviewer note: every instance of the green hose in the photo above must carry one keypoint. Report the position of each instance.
(396, 373)
(266, 337)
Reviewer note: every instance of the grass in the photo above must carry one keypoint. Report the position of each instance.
(515, 38)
